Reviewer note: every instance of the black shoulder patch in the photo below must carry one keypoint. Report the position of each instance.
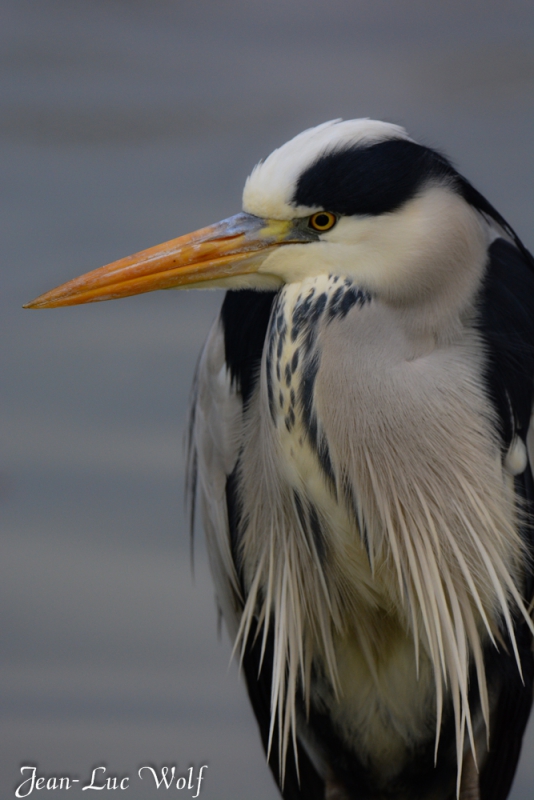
(506, 322)
(370, 180)
(245, 317)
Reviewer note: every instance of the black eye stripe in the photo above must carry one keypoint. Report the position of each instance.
(371, 179)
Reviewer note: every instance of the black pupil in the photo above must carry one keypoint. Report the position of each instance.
(322, 220)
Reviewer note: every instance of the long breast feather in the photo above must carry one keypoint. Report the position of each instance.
(413, 439)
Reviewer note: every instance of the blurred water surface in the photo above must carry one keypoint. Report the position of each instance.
(124, 123)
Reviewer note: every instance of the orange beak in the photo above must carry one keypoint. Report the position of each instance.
(236, 246)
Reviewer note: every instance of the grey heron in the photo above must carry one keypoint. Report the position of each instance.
(358, 447)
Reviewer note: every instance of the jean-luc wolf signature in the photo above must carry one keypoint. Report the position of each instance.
(166, 777)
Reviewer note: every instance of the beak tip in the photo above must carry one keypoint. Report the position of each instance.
(40, 302)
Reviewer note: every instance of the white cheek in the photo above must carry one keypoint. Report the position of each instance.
(349, 251)
(433, 241)
(295, 262)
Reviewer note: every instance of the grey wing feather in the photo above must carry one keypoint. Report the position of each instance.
(213, 448)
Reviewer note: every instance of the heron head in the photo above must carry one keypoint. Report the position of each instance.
(356, 198)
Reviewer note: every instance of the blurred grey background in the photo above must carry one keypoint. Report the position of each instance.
(124, 123)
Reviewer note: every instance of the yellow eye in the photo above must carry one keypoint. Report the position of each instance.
(322, 221)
